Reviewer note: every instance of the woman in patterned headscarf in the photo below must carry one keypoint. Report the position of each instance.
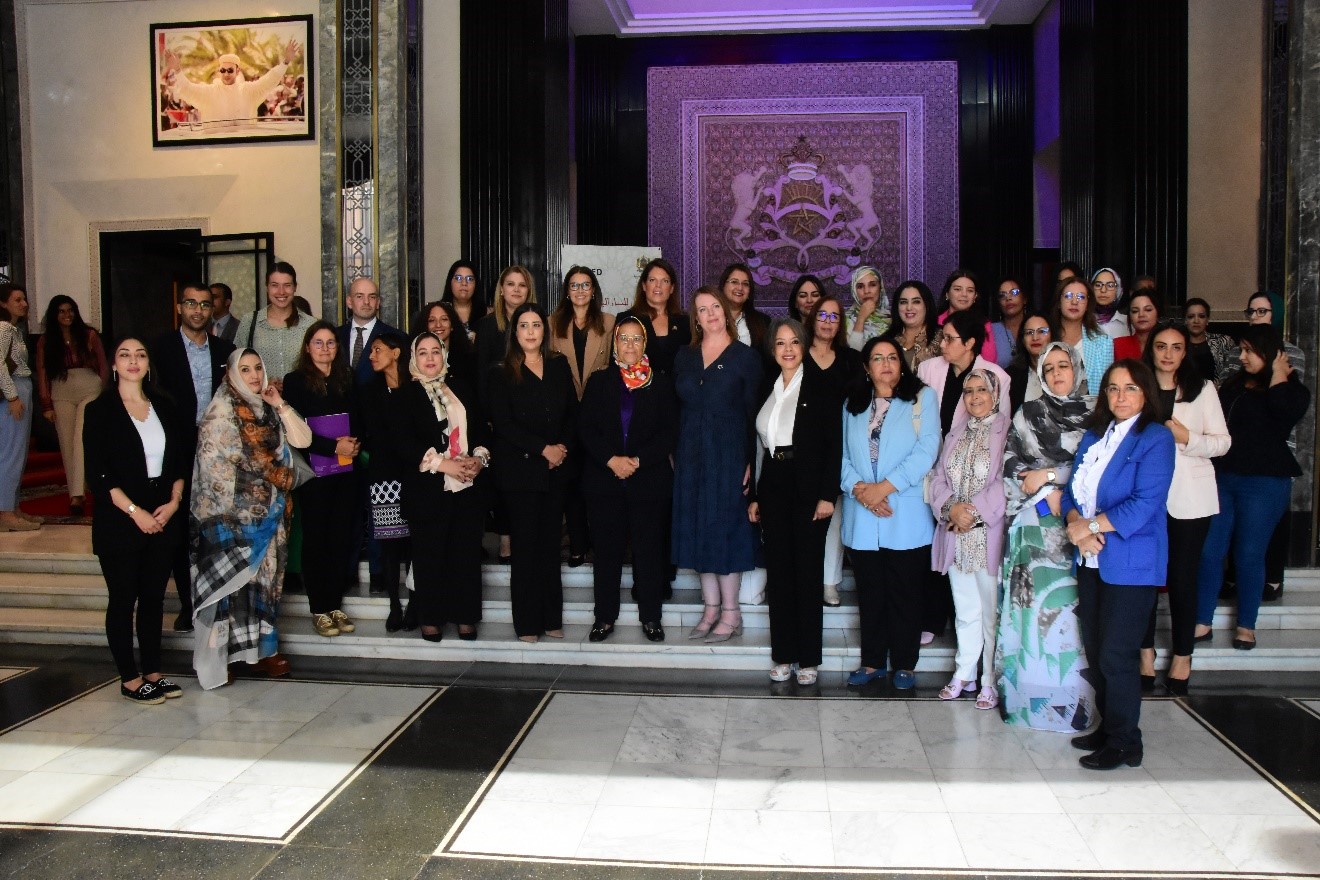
(242, 481)
(1042, 680)
(967, 497)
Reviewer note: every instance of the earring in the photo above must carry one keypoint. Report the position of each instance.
(114, 374)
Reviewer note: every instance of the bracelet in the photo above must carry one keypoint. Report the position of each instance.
(132, 508)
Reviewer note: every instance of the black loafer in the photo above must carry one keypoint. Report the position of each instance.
(1243, 644)
(1273, 593)
(1110, 758)
(577, 561)
(1091, 742)
(654, 632)
(600, 632)
(435, 636)
(394, 622)
(1204, 638)
(469, 636)
(1148, 684)
(183, 623)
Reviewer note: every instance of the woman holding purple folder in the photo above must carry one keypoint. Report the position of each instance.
(321, 389)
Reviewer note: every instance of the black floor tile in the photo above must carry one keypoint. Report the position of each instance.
(69, 855)
(318, 863)
(1276, 733)
(24, 696)
(511, 675)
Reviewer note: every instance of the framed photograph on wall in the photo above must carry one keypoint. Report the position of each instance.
(235, 81)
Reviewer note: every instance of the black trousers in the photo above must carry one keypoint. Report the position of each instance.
(536, 521)
(447, 563)
(327, 505)
(616, 521)
(794, 548)
(889, 589)
(577, 517)
(180, 564)
(1114, 618)
(1186, 540)
(936, 603)
(136, 572)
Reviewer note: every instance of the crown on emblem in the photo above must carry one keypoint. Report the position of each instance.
(802, 161)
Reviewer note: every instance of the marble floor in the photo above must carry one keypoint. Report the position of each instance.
(251, 760)
(883, 785)
(11, 671)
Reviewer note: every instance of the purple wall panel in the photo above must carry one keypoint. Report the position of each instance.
(804, 167)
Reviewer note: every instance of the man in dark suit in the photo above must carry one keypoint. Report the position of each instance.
(223, 322)
(189, 365)
(362, 328)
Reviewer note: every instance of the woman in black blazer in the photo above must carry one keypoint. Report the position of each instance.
(799, 425)
(629, 428)
(439, 438)
(134, 458)
(533, 407)
(656, 305)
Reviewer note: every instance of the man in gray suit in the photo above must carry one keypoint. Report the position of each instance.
(223, 324)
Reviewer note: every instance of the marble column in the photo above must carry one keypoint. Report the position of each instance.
(1302, 289)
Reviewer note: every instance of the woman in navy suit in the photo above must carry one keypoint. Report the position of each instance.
(135, 460)
(629, 427)
(1115, 510)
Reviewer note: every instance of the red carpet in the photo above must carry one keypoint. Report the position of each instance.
(43, 493)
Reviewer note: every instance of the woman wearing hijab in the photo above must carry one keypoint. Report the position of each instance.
(967, 497)
(868, 316)
(1110, 307)
(440, 442)
(628, 425)
(1042, 681)
(243, 478)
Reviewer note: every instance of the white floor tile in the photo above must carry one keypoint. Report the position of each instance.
(1233, 789)
(663, 745)
(865, 716)
(381, 700)
(769, 746)
(1275, 844)
(550, 782)
(144, 803)
(40, 796)
(858, 748)
(567, 742)
(1022, 842)
(1135, 843)
(686, 713)
(895, 840)
(303, 765)
(111, 755)
(660, 785)
(608, 708)
(774, 714)
(671, 834)
(542, 829)
(1086, 791)
(358, 730)
(27, 750)
(205, 760)
(86, 716)
(306, 695)
(265, 731)
(251, 810)
(996, 791)
(9, 671)
(775, 837)
(771, 789)
(883, 789)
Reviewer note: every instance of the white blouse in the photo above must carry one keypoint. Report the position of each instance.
(152, 433)
(1086, 480)
(774, 423)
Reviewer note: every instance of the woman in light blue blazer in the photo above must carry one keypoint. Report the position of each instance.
(891, 438)
(1115, 509)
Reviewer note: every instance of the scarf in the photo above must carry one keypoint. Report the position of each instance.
(639, 374)
(264, 415)
(448, 410)
(968, 467)
(1105, 314)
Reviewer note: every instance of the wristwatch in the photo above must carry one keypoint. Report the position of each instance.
(1051, 477)
(132, 508)
(1094, 526)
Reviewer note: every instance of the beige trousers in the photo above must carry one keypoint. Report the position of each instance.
(70, 397)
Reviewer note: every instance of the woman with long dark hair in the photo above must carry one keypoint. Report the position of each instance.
(322, 390)
(1072, 320)
(382, 411)
(656, 304)
(962, 293)
(16, 420)
(534, 410)
(1115, 509)
(1189, 408)
(1023, 375)
(916, 328)
(804, 295)
(71, 372)
(464, 294)
(581, 332)
(1144, 309)
(135, 462)
(1262, 403)
(441, 318)
(1014, 307)
(1211, 352)
(891, 437)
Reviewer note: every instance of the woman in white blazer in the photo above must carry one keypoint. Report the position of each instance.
(1190, 407)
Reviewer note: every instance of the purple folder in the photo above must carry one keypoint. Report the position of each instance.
(335, 425)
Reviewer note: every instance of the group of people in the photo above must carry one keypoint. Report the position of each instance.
(1035, 480)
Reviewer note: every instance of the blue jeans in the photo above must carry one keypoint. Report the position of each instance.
(1249, 509)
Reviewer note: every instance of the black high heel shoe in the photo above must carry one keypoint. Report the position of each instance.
(1148, 684)
(1177, 686)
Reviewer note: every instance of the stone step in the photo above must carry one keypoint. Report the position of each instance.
(1296, 611)
(1287, 650)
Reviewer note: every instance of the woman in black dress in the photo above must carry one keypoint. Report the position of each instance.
(534, 409)
(382, 410)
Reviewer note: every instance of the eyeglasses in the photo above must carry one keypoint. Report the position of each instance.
(1115, 390)
(323, 343)
(1036, 331)
(1007, 294)
(631, 340)
(464, 279)
(194, 304)
(944, 337)
(580, 285)
(1257, 313)
(884, 358)
(1107, 285)
(827, 318)
(972, 392)
(228, 69)
(1075, 297)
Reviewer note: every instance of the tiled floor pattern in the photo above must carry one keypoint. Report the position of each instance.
(874, 784)
(247, 760)
(11, 671)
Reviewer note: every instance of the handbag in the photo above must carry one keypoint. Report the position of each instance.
(302, 471)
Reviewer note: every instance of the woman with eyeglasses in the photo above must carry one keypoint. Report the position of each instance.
(322, 390)
(72, 370)
(1210, 352)
(749, 324)
(891, 438)
(1262, 403)
(656, 305)
(916, 330)
(1144, 310)
(1115, 510)
(1111, 312)
(1014, 307)
(581, 332)
(841, 365)
(628, 425)
(1189, 408)
(868, 316)
(462, 292)
(1023, 377)
(961, 294)
(1072, 320)
(1043, 682)
(806, 292)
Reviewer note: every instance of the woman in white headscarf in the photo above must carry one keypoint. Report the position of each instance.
(241, 504)
(868, 316)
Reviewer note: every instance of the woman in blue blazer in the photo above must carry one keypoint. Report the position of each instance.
(891, 437)
(1115, 506)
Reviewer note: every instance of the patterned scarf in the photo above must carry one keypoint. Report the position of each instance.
(448, 409)
(639, 374)
(969, 467)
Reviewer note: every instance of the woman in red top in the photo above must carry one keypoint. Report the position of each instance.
(71, 371)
